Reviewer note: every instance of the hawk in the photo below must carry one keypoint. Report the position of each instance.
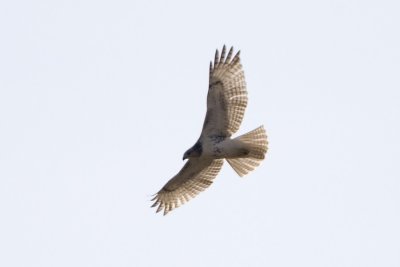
(226, 103)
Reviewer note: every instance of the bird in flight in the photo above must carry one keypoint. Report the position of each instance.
(226, 103)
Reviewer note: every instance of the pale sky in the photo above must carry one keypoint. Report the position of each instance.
(100, 99)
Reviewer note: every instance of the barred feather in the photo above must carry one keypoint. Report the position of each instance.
(227, 96)
(257, 143)
(196, 176)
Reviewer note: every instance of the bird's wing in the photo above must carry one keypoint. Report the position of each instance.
(227, 95)
(194, 177)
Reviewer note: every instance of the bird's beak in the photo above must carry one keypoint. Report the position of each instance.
(184, 157)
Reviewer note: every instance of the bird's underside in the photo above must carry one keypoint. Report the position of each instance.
(226, 103)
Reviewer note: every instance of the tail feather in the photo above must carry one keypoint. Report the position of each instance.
(257, 143)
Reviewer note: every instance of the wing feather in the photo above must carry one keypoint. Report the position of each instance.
(227, 95)
(195, 176)
(228, 58)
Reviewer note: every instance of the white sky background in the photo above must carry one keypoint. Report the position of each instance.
(99, 101)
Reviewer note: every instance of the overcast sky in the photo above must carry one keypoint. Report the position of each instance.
(100, 99)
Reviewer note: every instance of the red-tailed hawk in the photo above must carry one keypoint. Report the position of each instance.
(226, 103)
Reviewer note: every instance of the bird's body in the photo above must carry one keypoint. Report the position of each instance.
(219, 147)
(226, 103)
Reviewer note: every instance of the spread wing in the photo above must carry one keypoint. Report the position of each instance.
(194, 177)
(227, 95)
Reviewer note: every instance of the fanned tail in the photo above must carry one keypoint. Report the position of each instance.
(257, 143)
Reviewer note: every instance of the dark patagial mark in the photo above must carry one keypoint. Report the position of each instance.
(222, 102)
(208, 117)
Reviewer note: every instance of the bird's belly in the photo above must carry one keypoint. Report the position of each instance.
(227, 149)
(211, 151)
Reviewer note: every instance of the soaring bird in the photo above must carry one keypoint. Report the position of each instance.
(226, 103)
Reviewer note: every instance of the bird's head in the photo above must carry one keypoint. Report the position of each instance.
(190, 153)
(186, 155)
(193, 152)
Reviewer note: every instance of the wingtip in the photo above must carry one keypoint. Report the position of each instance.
(222, 59)
(236, 58)
(159, 208)
(154, 204)
(229, 56)
(216, 58)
